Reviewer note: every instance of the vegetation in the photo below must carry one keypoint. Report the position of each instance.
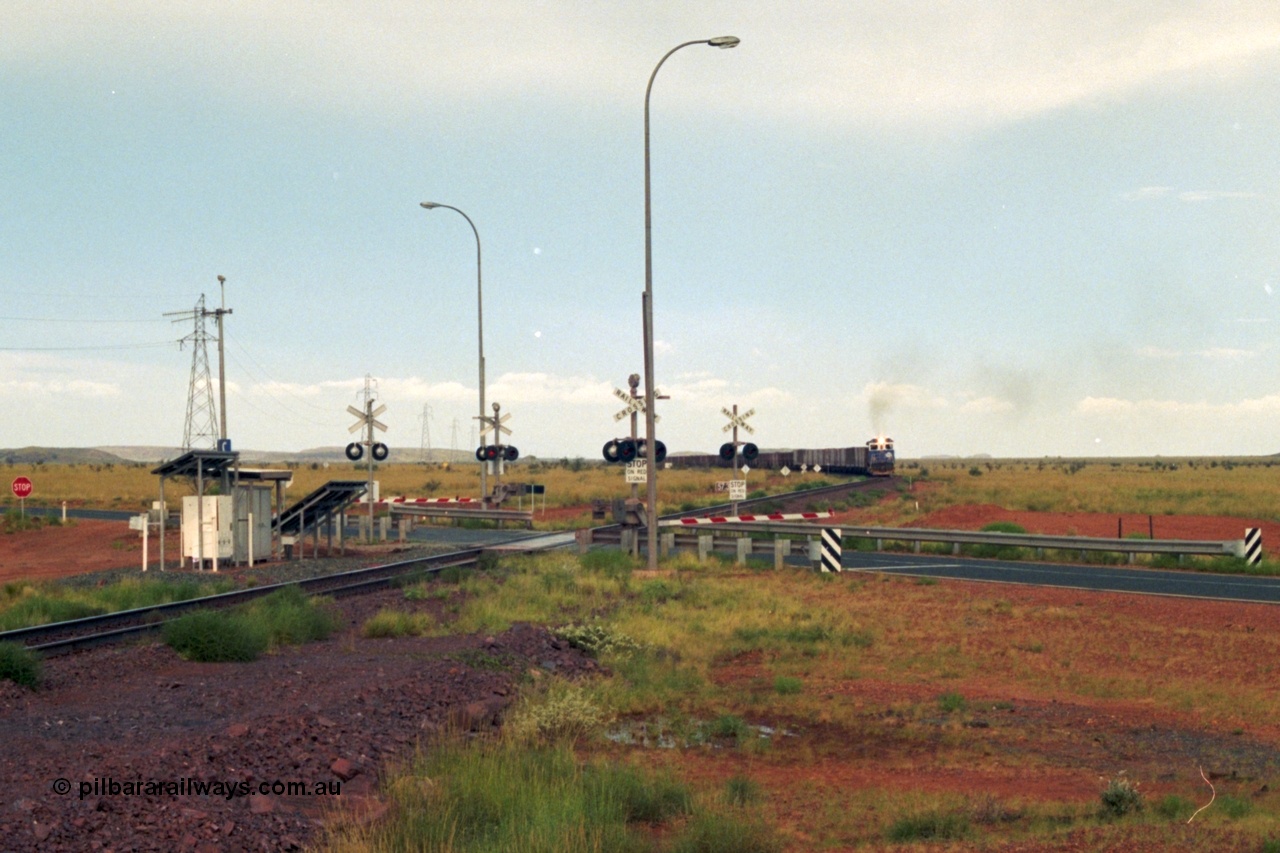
(732, 672)
(285, 617)
(19, 665)
(24, 604)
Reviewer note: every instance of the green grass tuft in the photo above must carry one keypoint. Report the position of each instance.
(19, 665)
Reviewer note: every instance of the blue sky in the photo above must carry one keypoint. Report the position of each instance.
(981, 227)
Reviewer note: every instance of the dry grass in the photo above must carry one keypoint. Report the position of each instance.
(1241, 487)
(133, 486)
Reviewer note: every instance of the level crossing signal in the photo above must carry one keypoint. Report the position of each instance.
(493, 452)
(368, 421)
(628, 450)
(736, 421)
(498, 426)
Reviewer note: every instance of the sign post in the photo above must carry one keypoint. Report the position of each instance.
(735, 421)
(22, 489)
(368, 421)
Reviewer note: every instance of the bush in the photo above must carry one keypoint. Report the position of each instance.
(786, 685)
(396, 623)
(717, 832)
(945, 826)
(211, 636)
(598, 639)
(19, 665)
(741, 791)
(291, 617)
(562, 712)
(1121, 797)
(286, 616)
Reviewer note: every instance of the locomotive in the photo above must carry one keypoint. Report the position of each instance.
(875, 458)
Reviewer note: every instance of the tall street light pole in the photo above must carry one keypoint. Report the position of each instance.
(649, 394)
(431, 205)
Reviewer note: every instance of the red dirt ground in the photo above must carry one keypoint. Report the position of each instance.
(1072, 740)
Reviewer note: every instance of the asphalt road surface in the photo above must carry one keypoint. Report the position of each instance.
(1100, 578)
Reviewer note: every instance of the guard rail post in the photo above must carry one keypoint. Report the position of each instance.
(743, 544)
(705, 544)
(781, 549)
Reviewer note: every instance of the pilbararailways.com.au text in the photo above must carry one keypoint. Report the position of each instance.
(188, 787)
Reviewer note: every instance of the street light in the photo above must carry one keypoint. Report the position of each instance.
(650, 443)
(431, 205)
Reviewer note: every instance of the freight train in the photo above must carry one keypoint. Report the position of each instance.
(874, 459)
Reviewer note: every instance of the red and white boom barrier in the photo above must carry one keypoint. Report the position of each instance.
(734, 519)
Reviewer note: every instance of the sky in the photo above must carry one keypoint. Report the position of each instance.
(999, 227)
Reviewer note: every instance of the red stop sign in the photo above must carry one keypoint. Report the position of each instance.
(21, 487)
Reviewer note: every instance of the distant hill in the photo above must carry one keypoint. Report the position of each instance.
(61, 456)
(153, 455)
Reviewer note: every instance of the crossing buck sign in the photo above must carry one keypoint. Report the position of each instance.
(635, 405)
(737, 420)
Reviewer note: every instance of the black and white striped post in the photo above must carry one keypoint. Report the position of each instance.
(831, 549)
(1252, 545)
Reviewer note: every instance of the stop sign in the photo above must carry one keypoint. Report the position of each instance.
(21, 487)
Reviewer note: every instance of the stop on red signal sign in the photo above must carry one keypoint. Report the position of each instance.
(22, 487)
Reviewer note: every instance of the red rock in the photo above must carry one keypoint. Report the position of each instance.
(261, 804)
(237, 730)
(344, 769)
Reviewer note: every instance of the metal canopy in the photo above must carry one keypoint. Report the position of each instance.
(264, 475)
(209, 463)
(333, 497)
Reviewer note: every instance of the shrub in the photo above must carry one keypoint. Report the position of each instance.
(951, 702)
(212, 636)
(291, 617)
(396, 623)
(1173, 807)
(946, 826)
(598, 639)
(717, 832)
(727, 726)
(786, 685)
(562, 712)
(741, 791)
(19, 665)
(1121, 797)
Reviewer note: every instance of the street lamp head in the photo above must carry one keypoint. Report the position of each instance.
(429, 205)
(723, 42)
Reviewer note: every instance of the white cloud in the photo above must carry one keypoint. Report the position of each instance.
(874, 63)
(1226, 354)
(1114, 407)
(1147, 192)
(987, 406)
(1215, 195)
(58, 387)
(1158, 353)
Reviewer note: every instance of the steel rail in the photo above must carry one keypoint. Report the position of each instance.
(108, 627)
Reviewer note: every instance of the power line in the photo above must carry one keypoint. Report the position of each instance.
(94, 348)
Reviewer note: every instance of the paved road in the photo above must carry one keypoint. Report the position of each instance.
(97, 514)
(1100, 578)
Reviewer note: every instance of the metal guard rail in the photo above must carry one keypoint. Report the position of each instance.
(916, 535)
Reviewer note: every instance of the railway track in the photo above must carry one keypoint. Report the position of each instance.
(62, 637)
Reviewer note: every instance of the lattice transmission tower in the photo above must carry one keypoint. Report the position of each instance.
(426, 432)
(201, 428)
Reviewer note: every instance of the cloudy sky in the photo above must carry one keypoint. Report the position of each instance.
(995, 226)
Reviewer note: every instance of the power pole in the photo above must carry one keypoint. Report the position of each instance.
(222, 358)
(426, 432)
(202, 413)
